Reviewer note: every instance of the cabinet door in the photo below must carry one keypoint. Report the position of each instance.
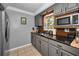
(57, 9)
(72, 6)
(64, 53)
(33, 39)
(44, 48)
(38, 20)
(53, 51)
(64, 7)
(38, 44)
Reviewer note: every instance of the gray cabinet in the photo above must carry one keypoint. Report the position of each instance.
(44, 48)
(62, 8)
(38, 20)
(72, 6)
(64, 53)
(57, 9)
(52, 48)
(38, 43)
(33, 39)
(56, 48)
(53, 51)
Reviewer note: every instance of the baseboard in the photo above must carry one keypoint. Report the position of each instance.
(19, 47)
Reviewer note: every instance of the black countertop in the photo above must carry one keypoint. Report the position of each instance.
(56, 38)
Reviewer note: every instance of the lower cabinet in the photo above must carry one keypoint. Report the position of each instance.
(44, 48)
(33, 39)
(38, 44)
(49, 47)
(53, 51)
(64, 53)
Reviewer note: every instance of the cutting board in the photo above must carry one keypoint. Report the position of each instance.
(75, 43)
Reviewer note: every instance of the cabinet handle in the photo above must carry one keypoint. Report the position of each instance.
(56, 51)
(65, 9)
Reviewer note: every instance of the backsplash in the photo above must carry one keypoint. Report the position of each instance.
(64, 32)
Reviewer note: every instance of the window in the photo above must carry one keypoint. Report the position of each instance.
(48, 21)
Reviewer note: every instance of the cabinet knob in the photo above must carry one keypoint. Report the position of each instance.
(65, 9)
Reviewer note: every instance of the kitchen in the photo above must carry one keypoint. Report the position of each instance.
(62, 38)
(54, 31)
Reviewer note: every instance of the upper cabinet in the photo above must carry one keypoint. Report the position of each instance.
(38, 20)
(62, 8)
(59, 8)
(72, 6)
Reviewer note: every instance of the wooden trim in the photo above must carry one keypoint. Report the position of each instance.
(48, 13)
(66, 26)
(43, 18)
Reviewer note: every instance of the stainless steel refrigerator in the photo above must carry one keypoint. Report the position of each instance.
(4, 31)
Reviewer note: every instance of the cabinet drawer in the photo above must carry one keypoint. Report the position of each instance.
(53, 51)
(44, 39)
(38, 42)
(53, 42)
(44, 43)
(72, 50)
(64, 53)
(38, 45)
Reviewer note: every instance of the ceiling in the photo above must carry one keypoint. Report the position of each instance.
(30, 8)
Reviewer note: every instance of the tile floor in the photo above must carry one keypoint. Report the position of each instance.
(25, 51)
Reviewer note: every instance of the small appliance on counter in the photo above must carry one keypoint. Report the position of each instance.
(51, 33)
(33, 29)
(39, 29)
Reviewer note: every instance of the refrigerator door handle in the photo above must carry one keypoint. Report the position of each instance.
(6, 32)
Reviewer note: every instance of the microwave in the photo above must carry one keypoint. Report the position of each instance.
(72, 19)
(63, 21)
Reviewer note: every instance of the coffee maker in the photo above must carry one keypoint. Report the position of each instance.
(39, 29)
